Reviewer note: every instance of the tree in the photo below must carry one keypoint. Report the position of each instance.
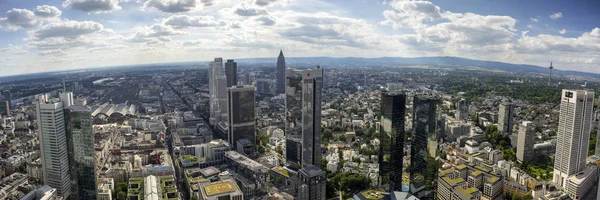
(327, 134)
(342, 137)
(121, 195)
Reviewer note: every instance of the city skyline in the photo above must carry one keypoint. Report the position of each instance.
(75, 34)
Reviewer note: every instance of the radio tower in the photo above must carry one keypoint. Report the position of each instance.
(550, 77)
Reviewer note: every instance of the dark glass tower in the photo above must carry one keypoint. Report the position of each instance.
(424, 145)
(303, 116)
(242, 118)
(280, 73)
(231, 72)
(392, 137)
(80, 136)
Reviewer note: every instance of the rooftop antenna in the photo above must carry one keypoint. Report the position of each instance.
(550, 77)
(64, 86)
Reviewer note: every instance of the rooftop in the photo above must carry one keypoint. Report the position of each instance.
(493, 179)
(469, 192)
(281, 171)
(461, 166)
(581, 176)
(453, 182)
(373, 194)
(219, 188)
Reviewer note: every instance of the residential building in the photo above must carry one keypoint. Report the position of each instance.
(424, 144)
(525, 142)
(506, 117)
(231, 72)
(574, 127)
(242, 117)
(313, 181)
(53, 144)
(392, 137)
(303, 117)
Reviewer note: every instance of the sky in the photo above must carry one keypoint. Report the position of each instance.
(52, 35)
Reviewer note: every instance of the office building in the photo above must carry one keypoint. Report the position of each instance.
(263, 86)
(80, 139)
(231, 72)
(392, 137)
(53, 144)
(462, 110)
(303, 117)
(313, 183)
(578, 185)
(4, 107)
(42, 193)
(574, 127)
(525, 142)
(224, 189)
(469, 182)
(214, 72)
(281, 73)
(66, 98)
(241, 118)
(505, 117)
(424, 144)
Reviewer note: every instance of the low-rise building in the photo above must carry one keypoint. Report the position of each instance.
(225, 189)
(578, 185)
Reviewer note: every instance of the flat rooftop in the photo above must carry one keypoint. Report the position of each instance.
(581, 176)
(219, 188)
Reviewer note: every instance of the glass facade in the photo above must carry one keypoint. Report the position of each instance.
(392, 137)
(424, 145)
(293, 112)
(242, 119)
(78, 120)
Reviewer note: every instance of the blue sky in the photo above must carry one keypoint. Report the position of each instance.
(38, 36)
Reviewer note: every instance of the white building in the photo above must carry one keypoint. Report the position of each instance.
(577, 185)
(574, 126)
(215, 70)
(525, 142)
(53, 144)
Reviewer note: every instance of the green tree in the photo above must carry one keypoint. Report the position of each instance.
(327, 134)
(342, 137)
(121, 195)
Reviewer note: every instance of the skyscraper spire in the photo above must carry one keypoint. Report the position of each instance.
(281, 53)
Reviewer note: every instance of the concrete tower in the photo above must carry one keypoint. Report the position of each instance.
(550, 77)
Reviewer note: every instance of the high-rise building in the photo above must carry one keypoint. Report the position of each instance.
(597, 153)
(263, 86)
(66, 98)
(242, 118)
(424, 144)
(231, 72)
(462, 110)
(222, 99)
(4, 107)
(80, 139)
(53, 144)
(214, 71)
(303, 116)
(505, 117)
(525, 142)
(574, 127)
(392, 137)
(247, 80)
(312, 183)
(281, 73)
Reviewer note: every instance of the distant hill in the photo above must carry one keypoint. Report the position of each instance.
(438, 61)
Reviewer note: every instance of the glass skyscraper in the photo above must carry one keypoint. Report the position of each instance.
(392, 138)
(303, 116)
(242, 118)
(231, 72)
(424, 145)
(80, 135)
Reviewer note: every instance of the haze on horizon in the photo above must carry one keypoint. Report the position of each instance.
(71, 34)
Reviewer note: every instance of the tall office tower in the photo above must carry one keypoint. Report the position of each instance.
(462, 110)
(80, 139)
(66, 98)
(222, 99)
(281, 73)
(214, 71)
(303, 116)
(505, 117)
(242, 118)
(424, 144)
(392, 137)
(231, 72)
(312, 183)
(263, 86)
(247, 80)
(53, 144)
(525, 142)
(4, 108)
(574, 126)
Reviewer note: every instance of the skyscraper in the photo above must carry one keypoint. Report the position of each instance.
(505, 117)
(242, 118)
(80, 139)
(424, 144)
(392, 137)
(4, 107)
(66, 98)
(231, 72)
(574, 127)
(281, 73)
(214, 71)
(525, 142)
(312, 183)
(462, 110)
(303, 116)
(53, 144)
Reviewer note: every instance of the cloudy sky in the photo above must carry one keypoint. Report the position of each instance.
(49, 35)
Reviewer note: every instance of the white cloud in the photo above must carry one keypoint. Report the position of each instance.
(563, 31)
(154, 33)
(92, 6)
(410, 14)
(555, 16)
(533, 19)
(243, 9)
(68, 29)
(183, 21)
(20, 18)
(266, 20)
(174, 6)
(56, 52)
(47, 11)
